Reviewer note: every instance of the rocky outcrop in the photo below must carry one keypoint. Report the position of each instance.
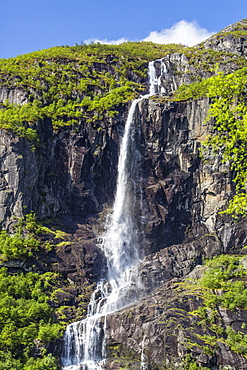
(67, 174)
(230, 39)
(160, 328)
(13, 95)
(228, 49)
(182, 193)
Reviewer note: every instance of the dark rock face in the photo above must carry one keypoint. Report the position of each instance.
(73, 175)
(70, 174)
(182, 193)
(160, 327)
(183, 196)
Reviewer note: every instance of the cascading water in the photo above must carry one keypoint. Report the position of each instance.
(154, 79)
(144, 365)
(84, 341)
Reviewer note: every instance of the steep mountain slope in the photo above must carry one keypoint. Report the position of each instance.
(62, 115)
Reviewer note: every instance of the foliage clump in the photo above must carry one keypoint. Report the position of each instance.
(19, 245)
(222, 286)
(228, 108)
(27, 321)
(229, 111)
(25, 241)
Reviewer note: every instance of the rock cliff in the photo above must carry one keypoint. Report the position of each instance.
(183, 227)
(71, 176)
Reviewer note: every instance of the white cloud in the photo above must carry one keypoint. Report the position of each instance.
(186, 33)
(105, 41)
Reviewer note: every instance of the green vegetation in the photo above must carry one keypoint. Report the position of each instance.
(219, 277)
(223, 285)
(204, 61)
(27, 321)
(26, 239)
(194, 90)
(17, 246)
(228, 108)
(69, 84)
(16, 118)
(190, 364)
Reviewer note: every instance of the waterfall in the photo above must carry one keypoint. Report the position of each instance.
(144, 365)
(155, 83)
(84, 341)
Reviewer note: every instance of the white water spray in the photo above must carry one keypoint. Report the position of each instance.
(84, 341)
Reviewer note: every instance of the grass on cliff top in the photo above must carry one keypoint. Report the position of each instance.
(123, 59)
(96, 52)
(69, 84)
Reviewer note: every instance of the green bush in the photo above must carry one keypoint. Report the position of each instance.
(229, 110)
(223, 285)
(27, 239)
(17, 246)
(26, 320)
(46, 363)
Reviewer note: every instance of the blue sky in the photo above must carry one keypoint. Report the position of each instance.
(30, 25)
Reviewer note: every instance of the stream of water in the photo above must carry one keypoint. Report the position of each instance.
(84, 341)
